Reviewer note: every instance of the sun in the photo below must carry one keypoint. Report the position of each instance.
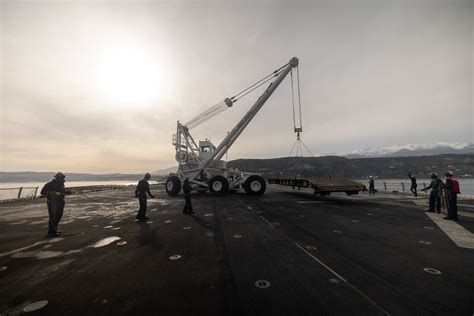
(128, 75)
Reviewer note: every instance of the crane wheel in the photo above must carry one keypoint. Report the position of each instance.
(218, 184)
(255, 185)
(173, 185)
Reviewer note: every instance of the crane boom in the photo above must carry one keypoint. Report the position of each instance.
(242, 124)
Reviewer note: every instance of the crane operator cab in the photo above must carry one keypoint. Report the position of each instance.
(206, 149)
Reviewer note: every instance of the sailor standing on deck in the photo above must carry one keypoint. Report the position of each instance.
(188, 208)
(54, 192)
(371, 185)
(413, 183)
(452, 188)
(140, 192)
(435, 197)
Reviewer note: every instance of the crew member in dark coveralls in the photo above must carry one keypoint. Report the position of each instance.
(188, 208)
(140, 192)
(452, 187)
(54, 192)
(371, 185)
(435, 197)
(413, 184)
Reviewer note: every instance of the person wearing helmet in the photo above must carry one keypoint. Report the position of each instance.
(435, 197)
(54, 192)
(452, 189)
(140, 192)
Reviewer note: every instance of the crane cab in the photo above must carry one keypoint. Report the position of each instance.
(206, 149)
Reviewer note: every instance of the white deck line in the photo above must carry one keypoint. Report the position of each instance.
(458, 234)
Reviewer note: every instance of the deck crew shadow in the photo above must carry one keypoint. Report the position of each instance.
(147, 236)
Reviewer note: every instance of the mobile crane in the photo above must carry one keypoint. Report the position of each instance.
(201, 163)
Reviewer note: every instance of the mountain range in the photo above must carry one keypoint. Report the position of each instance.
(412, 150)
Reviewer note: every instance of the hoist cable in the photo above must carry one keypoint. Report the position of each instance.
(259, 83)
(256, 87)
(307, 149)
(299, 95)
(293, 99)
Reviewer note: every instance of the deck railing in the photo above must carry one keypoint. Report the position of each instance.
(29, 193)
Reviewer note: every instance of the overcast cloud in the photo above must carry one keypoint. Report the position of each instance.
(98, 86)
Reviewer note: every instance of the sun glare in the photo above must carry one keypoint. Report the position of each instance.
(128, 76)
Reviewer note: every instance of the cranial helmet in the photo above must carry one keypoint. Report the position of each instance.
(59, 176)
(449, 173)
(433, 175)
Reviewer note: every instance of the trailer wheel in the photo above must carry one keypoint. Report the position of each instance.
(255, 185)
(173, 185)
(218, 184)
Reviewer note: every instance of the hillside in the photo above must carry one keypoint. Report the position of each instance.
(391, 167)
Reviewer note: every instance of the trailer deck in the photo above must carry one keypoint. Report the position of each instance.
(322, 186)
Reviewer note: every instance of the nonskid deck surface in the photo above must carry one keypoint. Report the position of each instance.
(286, 252)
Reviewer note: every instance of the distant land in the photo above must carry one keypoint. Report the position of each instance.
(334, 166)
(412, 150)
(328, 166)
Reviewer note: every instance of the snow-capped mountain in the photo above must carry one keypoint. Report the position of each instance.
(413, 150)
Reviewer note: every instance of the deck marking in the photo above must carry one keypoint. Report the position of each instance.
(342, 279)
(263, 284)
(265, 220)
(424, 242)
(3, 268)
(175, 257)
(432, 271)
(334, 281)
(237, 236)
(458, 234)
(466, 214)
(35, 306)
(373, 303)
(309, 202)
(121, 243)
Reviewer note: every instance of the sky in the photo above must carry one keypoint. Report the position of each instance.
(98, 86)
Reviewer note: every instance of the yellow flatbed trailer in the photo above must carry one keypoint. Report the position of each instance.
(322, 186)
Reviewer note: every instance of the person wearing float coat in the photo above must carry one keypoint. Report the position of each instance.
(435, 195)
(452, 188)
(54, 192)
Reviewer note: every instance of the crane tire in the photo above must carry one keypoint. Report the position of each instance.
(255, 185)
(173, 185)
(218, 184)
